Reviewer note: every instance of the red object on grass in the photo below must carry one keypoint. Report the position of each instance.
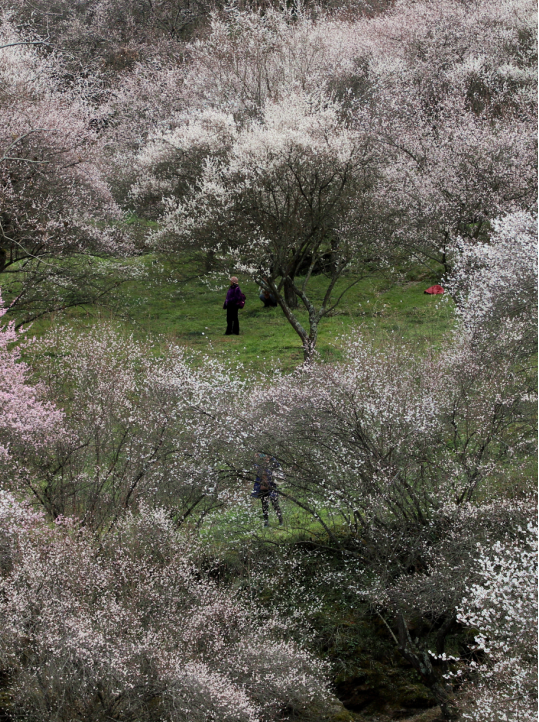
(434, 289)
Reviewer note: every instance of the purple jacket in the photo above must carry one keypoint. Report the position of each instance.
(233, 296)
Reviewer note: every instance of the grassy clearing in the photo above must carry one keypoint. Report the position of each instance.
(172, 301)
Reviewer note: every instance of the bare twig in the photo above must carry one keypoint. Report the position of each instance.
(25, 42)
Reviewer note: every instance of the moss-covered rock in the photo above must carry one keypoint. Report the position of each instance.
(334, 711)
(343, 716)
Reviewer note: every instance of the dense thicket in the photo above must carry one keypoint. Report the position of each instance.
(126, 628)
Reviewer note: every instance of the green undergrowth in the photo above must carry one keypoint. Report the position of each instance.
(175, 301)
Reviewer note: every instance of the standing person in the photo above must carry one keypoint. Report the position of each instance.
(265, 487)
(234, 300)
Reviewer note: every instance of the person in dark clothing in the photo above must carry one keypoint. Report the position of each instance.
(234, 300)
(265, 487)
(267, 298)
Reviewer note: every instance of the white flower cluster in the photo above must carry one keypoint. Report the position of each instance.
(495, 285)
(503, 610)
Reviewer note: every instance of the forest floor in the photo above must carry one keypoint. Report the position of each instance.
(430, 715)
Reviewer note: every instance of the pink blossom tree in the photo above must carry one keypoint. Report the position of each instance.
(27, 419)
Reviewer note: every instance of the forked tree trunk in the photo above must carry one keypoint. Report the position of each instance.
(308, 338)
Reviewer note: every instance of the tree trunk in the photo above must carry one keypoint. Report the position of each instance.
(420, 661)
(289, 294)
(308, 338)
(445, 264)
(307, 342)
(308, 350)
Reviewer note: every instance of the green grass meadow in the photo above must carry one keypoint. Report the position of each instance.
(176, 302)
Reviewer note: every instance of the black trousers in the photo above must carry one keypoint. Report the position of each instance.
(232, 320)
(266, 498)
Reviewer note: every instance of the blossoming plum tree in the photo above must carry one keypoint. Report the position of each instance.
(251, 58)
(454, 89)
(286, 145)
(99, 42)
(137, 427)
(502, 607)
(54, 202)
(279, 198)
(429, 133)
(495, 286)
(386, 436)
(390, 455)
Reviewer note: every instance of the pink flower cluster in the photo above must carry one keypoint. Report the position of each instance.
(26, 417)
